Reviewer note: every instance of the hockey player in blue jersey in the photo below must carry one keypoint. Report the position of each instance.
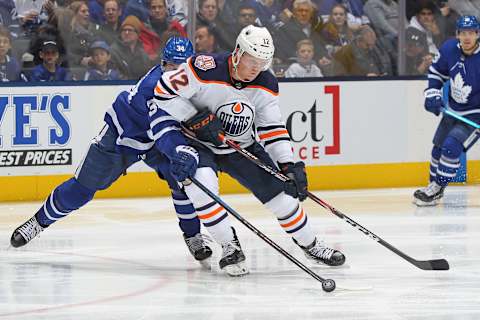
(124, 140)
(232, 95)
(458, 63)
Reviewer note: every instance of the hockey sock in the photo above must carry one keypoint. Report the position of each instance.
(212, 215)
(436, 153)
(449, 161)
(292, 218)
(215, 218)
(64, 199)
(187, 217)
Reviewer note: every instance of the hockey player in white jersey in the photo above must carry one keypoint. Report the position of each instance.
(232, 95)
(459, 63)
(123, 141)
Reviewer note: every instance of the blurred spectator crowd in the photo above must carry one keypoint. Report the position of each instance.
(47, 40)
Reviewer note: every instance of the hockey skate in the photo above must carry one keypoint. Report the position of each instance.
(199, 250)
(428, 196)
(26, 232)
(319, 253)
(233, 259)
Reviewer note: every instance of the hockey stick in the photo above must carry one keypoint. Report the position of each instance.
(461, 118)
(471, 141)
(328, 285)
(436, 264)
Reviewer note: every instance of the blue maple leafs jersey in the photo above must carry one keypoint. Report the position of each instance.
(463, 72)
(139, 123)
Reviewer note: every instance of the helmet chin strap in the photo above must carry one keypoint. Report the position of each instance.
(236, 56)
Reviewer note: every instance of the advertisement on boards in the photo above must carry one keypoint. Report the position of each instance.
(46, 130)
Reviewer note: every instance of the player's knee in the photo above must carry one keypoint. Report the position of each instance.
(72, 195)
(436, 152)
(209, 179)
(282, 205)
(452, 148)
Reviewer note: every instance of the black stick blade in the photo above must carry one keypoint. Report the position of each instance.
(438, 264)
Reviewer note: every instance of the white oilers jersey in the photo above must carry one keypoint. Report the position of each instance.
(204, 82)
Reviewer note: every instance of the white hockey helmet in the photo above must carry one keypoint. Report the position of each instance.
(257, 42)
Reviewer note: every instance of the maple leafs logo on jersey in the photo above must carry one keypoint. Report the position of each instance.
(459, 90)
(205, 63)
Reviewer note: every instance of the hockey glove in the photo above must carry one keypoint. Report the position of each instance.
(297, 185)
(184, 162)
(433, 101)
(207, 127)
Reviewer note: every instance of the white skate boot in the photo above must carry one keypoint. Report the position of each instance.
(233, 259)
(319, 253)
(199, 250)
(428, 196)
(26, 232)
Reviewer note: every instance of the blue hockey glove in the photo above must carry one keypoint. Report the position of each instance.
(184, 162)
(433, 101)
(207, 127)
(297, 185)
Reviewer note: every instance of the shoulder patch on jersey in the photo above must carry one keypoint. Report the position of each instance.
(205, 63)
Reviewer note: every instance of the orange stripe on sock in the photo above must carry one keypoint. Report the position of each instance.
(291, 223)
(211, 214)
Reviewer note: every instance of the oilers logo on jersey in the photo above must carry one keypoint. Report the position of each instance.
(237, 118)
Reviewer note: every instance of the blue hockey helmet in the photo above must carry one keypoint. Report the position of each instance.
(177, 50)
(468, 23)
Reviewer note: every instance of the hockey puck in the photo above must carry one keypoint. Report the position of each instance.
(328, 285)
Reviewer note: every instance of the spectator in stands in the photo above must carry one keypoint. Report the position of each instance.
(383, 15)
(177, 13)
(78, 40)
(128, 54)
(205, 41)
(336, 31)
(268, 13)
(46, 32)
(30, 14)
(9, 68)
(110, 29)
(228, 10)
(96, 10)
(224, 33)
(424, 20)
(100, 69)
(49, 70)
(447, 19)
(465, 7)
(363, 57)
(304, 24)
(305, 65)
(158, 17)
(418, 59)
(137, 8)
(246, 16)
(355, 14)
(7, 8)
